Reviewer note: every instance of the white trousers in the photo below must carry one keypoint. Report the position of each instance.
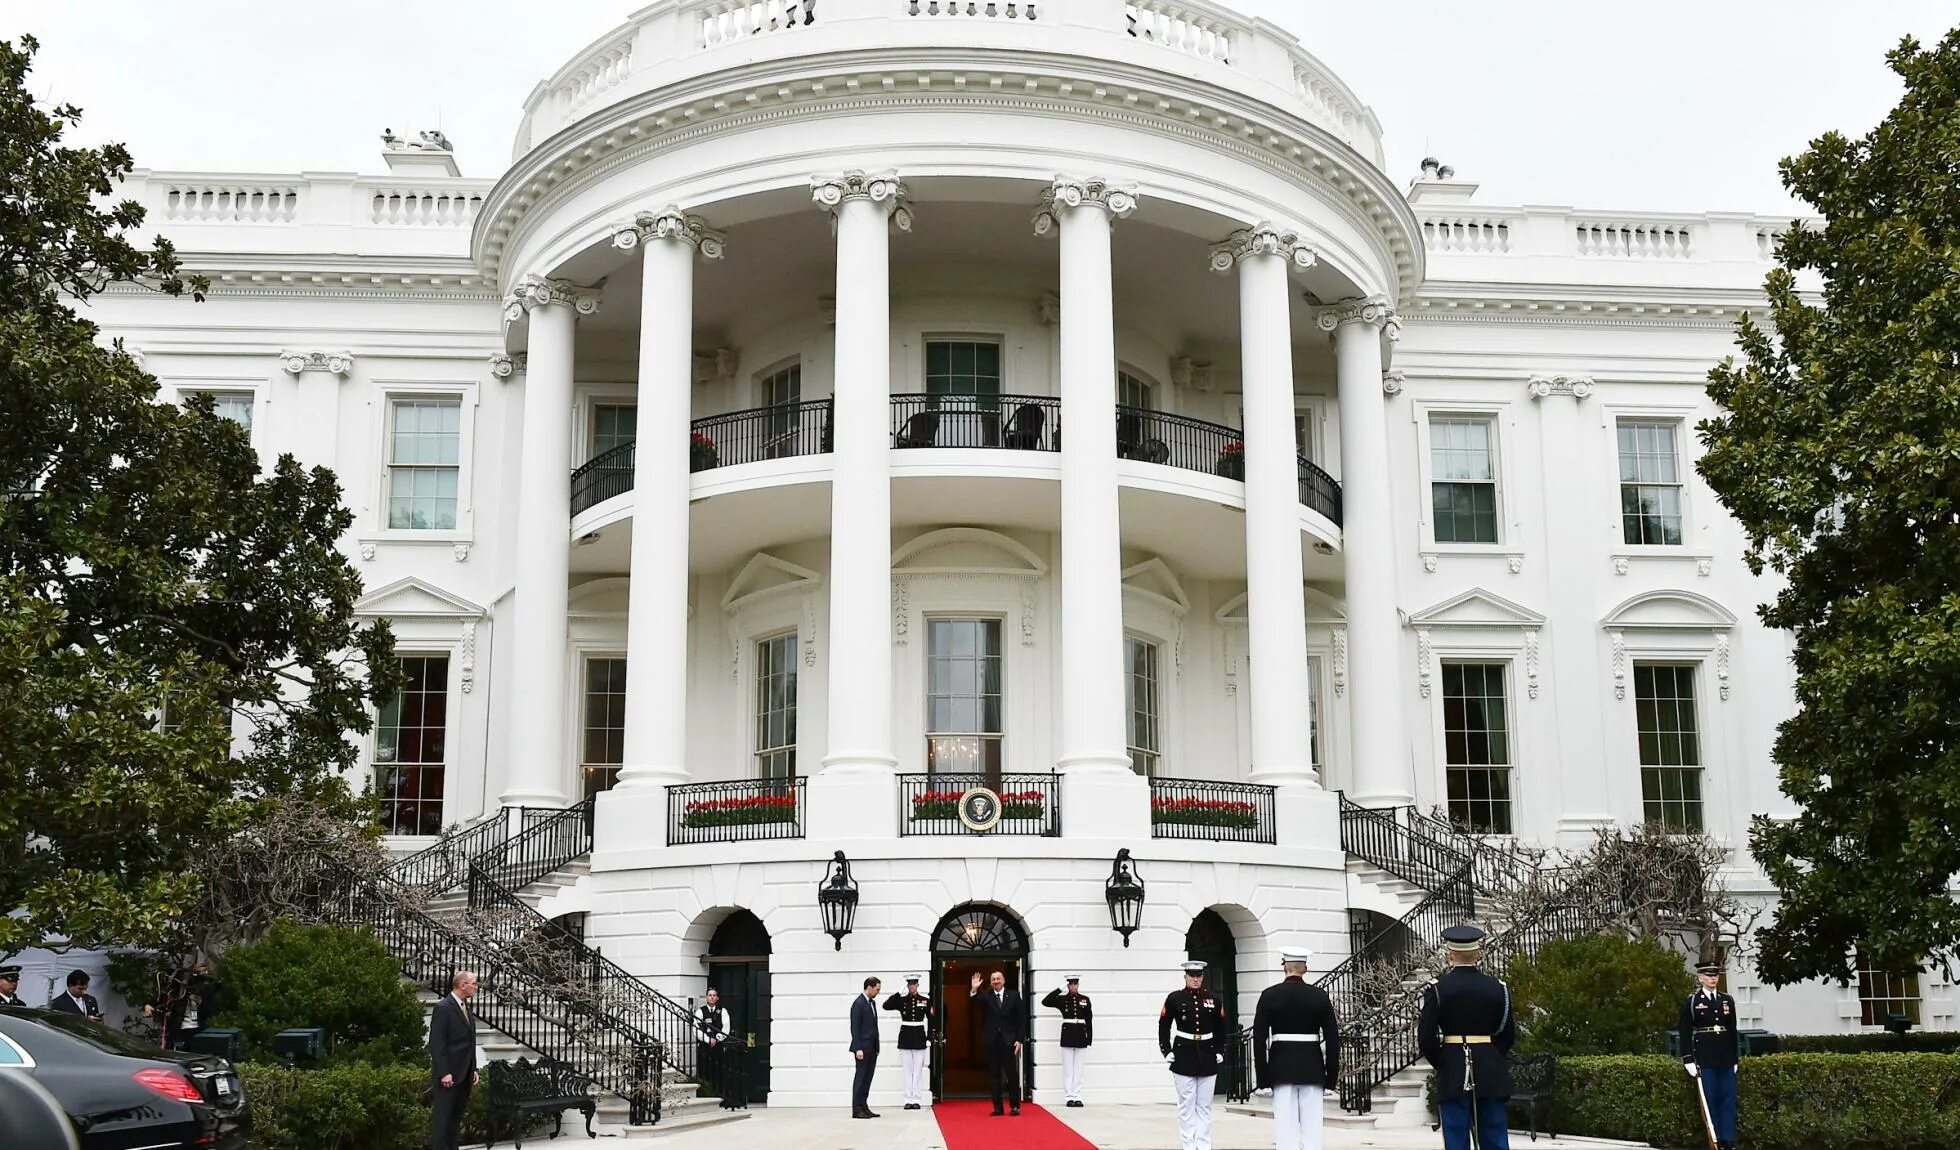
(913, 1062)
(1297, 1117)
(1194, 1110)
(1072, 1072)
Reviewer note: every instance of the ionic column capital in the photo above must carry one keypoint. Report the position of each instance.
(1264, 239)
(1116, 200)
(1545, 386)
(503, 365)
(1374, 311)
(533, 292)
(670, 223)
(885, 189)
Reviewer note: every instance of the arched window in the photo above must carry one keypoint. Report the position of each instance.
(977, 928)
(740, 935)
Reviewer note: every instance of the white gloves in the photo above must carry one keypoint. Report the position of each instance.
(1264, 1092)
(1693, 1070)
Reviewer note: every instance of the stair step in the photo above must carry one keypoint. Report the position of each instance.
(672, 1124)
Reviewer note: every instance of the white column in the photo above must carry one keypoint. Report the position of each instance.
(855, 796)
(1103, 796)
(536, 773)
(1276, 608)
(1381, 757)
(655, 750)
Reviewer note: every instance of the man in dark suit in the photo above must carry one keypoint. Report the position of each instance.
(1709, 1050)
(1002, 1030)
(452, 1058)
(864, 1048)
(78, 1000)
(1466, 1031)
(10, 986)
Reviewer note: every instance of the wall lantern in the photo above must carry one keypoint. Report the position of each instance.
(1124, 893)
(837, 898)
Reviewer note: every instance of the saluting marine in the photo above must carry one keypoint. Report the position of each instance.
(1078, 1032)
(1296, 1052)
(1709, 1050)
(1465, 1032)
(1191, 1037)
(915, 1019)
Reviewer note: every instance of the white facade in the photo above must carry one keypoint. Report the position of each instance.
(714, 195)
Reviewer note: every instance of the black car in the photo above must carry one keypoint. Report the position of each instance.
(121, 1092)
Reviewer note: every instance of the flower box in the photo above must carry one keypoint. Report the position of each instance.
(1233, 813)
(1231, 461)
(739, 811)
(1013, 805)
(703, 455)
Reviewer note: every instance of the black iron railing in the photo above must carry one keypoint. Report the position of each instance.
(602, 478)
(741, 811)
(1385, 838)
(549, 838)
(781, 431)
(1235, 1074)
(1319, 491)
(1500, 865)
(1179, 441)
(1008, 422)
(929, 804)
(442, 867)
(1218, 811)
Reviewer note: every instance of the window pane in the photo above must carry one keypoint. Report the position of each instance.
(775, 706)
(1669, 745)
(409, 749)
(1141, 690)
(964, 697)
(1476, 747)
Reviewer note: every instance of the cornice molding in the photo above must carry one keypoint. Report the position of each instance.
(885, 189)
(1068, 192)
(670, 223)
(534, 292)
(335, 363)
(1262, 239)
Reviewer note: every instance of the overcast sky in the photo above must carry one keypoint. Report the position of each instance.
(1629, 104)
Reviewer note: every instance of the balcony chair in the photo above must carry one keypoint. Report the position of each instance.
(1024, 430)
(1152, 451)
(1129, 429)
(921, 430)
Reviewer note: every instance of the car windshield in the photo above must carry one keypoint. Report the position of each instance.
(98, 1035)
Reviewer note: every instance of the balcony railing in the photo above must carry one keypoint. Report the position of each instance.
(1319, 491)
(745, 811)
(929, 804)
(1215, 811)
(1008, 422)
(1179, 441)
(603, 478)
(782, 431)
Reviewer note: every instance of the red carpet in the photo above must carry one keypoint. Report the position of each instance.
(969, 1126)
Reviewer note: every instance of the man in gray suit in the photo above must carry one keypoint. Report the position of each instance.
(452, 1058)
(864, 1047)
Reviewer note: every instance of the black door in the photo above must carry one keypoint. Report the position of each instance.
(1210, 941)
(974, 939)
(738, 966)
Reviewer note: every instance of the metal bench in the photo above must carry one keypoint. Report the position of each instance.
(523, 1088)
(1534, 1079)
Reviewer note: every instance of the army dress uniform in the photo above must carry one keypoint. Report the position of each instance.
(915, 1034)
(1296, 1053)
(1710, 1051)
(1078, 1033)
(1466, 1032)
(1191, 1036)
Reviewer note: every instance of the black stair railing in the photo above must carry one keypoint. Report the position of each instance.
(548, 838)
(444, 866)
(1380, 837)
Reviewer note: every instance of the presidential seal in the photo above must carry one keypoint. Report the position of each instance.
(979, 809)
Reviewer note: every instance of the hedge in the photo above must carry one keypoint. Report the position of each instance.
(1785, 1101)
(1923, 1042)
(353, 1106)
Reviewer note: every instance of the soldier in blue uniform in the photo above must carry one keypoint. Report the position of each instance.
(914, 1037)
(1708, 1049)
(1191, 1037)
(1466, 1031)
(1078, 1033)
(1296, 1049)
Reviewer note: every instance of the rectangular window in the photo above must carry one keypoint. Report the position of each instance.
(1133, 391)
(410, 737)
(963, 696)
(1313, 715)
(603, 747)
(962, 367)
(1650, 484)
(781, 387)
(424, 463)
(1883, 993)
(1477, 747)
(233, 405)
(613, 425)
(781, 391)
(1670, 745)
(1463, 479)
(1140, 684)
(775, 707)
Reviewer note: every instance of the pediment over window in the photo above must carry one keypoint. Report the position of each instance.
(763, 576)
(606, 596)
(1476, 608)
(966, 551)
(1321, 608)
(1154, 580)
(1669, 611)
(411, 598)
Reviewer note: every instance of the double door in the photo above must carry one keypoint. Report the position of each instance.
(959, 1057)
(744, 987)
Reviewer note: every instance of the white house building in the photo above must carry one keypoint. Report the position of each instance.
(837, 407)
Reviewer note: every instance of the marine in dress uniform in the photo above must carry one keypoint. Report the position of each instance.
(914, 1037)
(1078, 1032)
(1191, 1037)
(9, 986)
(1466, 1031)
(1709, 1050)
(1296, 1053)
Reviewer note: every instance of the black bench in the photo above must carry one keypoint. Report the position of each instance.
(521, 1089)
(1534, 1079)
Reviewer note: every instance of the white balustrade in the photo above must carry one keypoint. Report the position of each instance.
(423, 208)
(1766, 238)
(995, 9)
(1622, 240)
(231, 203)
(1200, 31)
(1330, 100)
(600, 70)
(719, 22)
(1466, 233)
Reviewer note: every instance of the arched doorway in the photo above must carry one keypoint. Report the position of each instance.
(975, 938)
(738, 966)
(1210, 941)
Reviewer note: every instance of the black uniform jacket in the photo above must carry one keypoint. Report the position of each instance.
(1295, 1007)
(11, 1000)
(1708, 1030)
(1078, 1020)
(912, 1008)
(66, 1005)
(1001, 1021)
(1467, 1002)
(1192, 1012)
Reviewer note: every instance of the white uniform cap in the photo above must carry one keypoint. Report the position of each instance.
(1073, 978)
(1300, 956)
(1193, 967)
(913, 978)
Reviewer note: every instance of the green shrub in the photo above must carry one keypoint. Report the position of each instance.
(339, 978)
(1560, 1008)
(354, 1106)
(1924, 1042)
(1785, 1101)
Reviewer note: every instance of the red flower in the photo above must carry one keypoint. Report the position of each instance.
(699, 439)
(1232, 448)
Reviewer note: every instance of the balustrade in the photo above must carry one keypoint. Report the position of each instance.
(782, 431)
(746, 810)
(928, 804)
(1655, 241)
(423, 207)
(1010, 9)
(1479, 235)
(719, 22)
(1218, 811)
(1010, 422)
(1200, 31)
(231, 203)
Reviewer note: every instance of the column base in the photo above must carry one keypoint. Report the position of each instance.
(533, 798)
(853, 799)
(1104, 802)
(630, 820)
(1378, 799)
(1306, 816)
(645, 778)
